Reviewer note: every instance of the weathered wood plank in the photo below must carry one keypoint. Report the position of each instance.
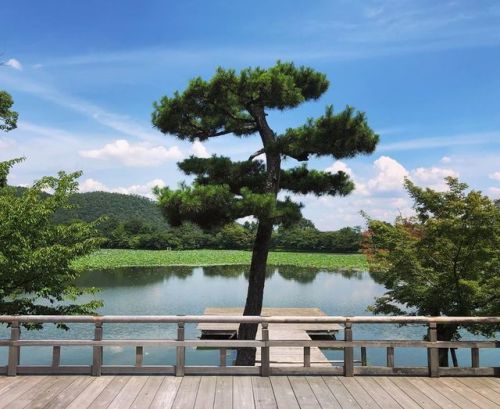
(186, 394)
(414, 393)
(322, 393)
(109, 392)
(471, 393)
(341, 393)
(224, 393)
(18, 387)
(206, 393)
(68, 395)
(148, 392)
(303, 393)
(433, 394)
(397, 394)
(263, 393)
(451, 394)
(88, 395)
(242, 393)
(379, 395)
(129, 392)
(285, 398)
(362, 397)
(481, 387)
(37, 398)
(164, 398)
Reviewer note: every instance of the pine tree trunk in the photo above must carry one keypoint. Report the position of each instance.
(445, 333)
(257, 276)
(255, 294)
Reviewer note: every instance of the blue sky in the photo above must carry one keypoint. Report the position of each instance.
(84, 76)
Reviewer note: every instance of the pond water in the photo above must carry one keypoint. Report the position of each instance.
(188, 290)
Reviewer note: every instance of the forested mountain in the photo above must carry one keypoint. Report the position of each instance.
(117, 206)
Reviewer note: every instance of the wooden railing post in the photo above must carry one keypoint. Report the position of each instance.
(15, 334)
(181, 351)
(222, 356)
(474, 355)
(56, 356)
(139, 356)
(97, 354)
(364, 359)
(307, 357)
(433, 353)
(264, 351)
(390, 357)
(348, 351)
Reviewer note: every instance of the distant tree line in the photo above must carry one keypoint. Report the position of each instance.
(137, 234)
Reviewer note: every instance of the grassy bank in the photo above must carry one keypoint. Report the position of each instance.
(143, 258)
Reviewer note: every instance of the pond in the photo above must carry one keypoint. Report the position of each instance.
(188, 290)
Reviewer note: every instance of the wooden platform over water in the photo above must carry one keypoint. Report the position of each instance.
(288, 356)
(245, 392)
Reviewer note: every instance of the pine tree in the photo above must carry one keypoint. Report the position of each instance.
(224, 190)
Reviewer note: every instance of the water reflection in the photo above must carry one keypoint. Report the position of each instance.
(141, 276)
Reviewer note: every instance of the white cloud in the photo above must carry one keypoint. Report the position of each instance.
(6, 142)
(13, 63)
(432, 177)
(445, 159)
(339, 166)
(389, 176)
(495, 192)
(495, 176)
(199, 150)
(92, 185)
(134, 154)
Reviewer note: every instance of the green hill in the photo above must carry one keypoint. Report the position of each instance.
(121, 207)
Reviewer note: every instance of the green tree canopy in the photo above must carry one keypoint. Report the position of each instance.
(224, 190)
(8, 117)
(443, 261)
(36, 276)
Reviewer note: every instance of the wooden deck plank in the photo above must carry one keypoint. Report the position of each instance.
(88, 395)
(68, 395)
(17, 388)
(399, 396)
(109, 392)
(451, 394)
(414, 393)
(126, 397)
(323, 393)
(432, 393)
(357, 391)
(242, 393)
(245, 392)
(378, 394)
(38, 398)
(285, 397)
(165, 396)
(186, 394)
(341, 393)
(263, 394)
(146, 395)
(483, 388)
(303, 393)
(206, 393)
(224, 393)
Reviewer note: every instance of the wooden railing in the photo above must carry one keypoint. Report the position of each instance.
(348, 344)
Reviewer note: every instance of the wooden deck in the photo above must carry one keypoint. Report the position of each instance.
(288, 356)
(245, 392)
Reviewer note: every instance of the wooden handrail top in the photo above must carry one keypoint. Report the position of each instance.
(172, 319)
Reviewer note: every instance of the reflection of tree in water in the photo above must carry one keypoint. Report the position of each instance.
(140, 276)
(131, 276)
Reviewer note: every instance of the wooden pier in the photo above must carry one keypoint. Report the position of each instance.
(284, 356)
(247, 392)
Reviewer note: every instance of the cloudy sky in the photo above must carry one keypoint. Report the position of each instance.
(84, 76)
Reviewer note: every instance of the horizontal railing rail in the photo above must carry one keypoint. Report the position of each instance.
(348, 368)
